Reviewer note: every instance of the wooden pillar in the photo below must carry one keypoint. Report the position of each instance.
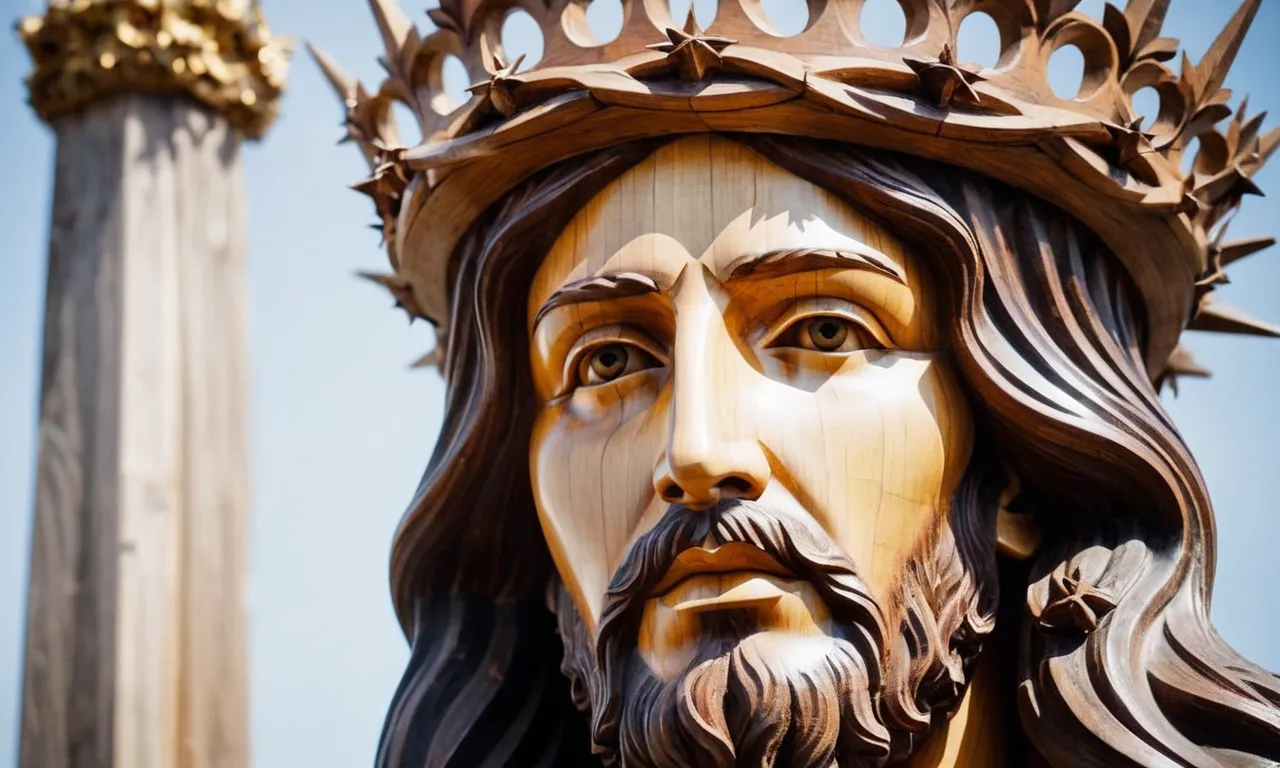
(135, 645)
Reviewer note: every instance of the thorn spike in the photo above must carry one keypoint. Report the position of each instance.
(430, 360)
(1220, 318)
(1121, 31)
(1217, 62)
(343, 84)
(691, 26)
(1183, 363)
(1054, 9)
(1146, 19)
(1270, 142)
(394, 25)
(1240, 249)
(389, 282)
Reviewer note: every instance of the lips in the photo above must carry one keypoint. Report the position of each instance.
(704, 584)
(727, 558)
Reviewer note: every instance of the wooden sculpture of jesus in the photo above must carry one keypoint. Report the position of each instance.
(785, 429)
(750, 459)
(777, 412)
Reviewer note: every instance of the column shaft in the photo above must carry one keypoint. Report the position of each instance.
(136, 627)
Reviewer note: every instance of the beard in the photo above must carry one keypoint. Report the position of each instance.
(867, 694)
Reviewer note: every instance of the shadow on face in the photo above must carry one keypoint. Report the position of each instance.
(711, 326)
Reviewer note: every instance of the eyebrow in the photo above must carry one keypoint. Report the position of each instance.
(621, 285)
(617, 285)
(789, 260)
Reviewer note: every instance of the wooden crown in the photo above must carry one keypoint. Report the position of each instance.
(1089, 154)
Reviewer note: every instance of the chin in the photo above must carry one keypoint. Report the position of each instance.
(753, 696)
(745, 636)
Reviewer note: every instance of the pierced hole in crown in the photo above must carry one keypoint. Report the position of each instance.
(1083, 59)
(978, 40)
(1066, 72)
(1146, 104)
(453, 76)
(521, 36)
(589, 23)
(447, 83)
(1160, 104)
(406, 123)
(1189, 153)
(703, 10)
(783, 18)
(883, 23)
(1212, 154)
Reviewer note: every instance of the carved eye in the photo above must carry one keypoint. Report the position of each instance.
(828, 333)
(610, 362)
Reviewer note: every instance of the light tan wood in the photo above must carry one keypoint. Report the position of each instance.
(684, 217)
(720, 396)
(143, 491)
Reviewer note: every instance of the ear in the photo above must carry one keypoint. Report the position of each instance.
(1017, 533)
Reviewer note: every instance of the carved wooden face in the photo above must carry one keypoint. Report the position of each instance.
(712, 326)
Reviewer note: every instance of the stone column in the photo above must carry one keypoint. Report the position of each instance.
(135, 645)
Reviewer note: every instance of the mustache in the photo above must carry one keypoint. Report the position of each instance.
(900, 679)
(798, 546)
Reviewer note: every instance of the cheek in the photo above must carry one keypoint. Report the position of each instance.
(592, 475)
(873, 453)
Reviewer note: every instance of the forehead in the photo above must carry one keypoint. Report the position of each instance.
(704, 199)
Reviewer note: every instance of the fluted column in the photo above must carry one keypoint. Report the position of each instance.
(135, 645)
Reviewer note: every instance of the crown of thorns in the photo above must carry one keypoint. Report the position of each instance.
(1089, 155)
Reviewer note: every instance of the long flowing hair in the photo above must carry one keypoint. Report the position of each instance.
(1045, 335)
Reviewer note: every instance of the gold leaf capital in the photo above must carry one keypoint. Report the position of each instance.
(219, 52)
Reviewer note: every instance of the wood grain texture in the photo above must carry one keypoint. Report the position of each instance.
(136, 626)
(1104, 654)
(876, 434)
(1089, 153)
(748, 475)
(69, 685)
(1069, 247)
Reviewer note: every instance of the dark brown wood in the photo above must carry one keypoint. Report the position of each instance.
(1055, 251)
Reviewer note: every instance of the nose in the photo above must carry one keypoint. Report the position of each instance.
(699, 481)
(712, 451)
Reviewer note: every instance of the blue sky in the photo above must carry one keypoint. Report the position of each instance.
(341, 430)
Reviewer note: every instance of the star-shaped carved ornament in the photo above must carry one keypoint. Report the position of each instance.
(387, 184)
(944, 80)
(696, 52)
(1134, 149)
(1130, 140)
(1074, 604)
(497, 89)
